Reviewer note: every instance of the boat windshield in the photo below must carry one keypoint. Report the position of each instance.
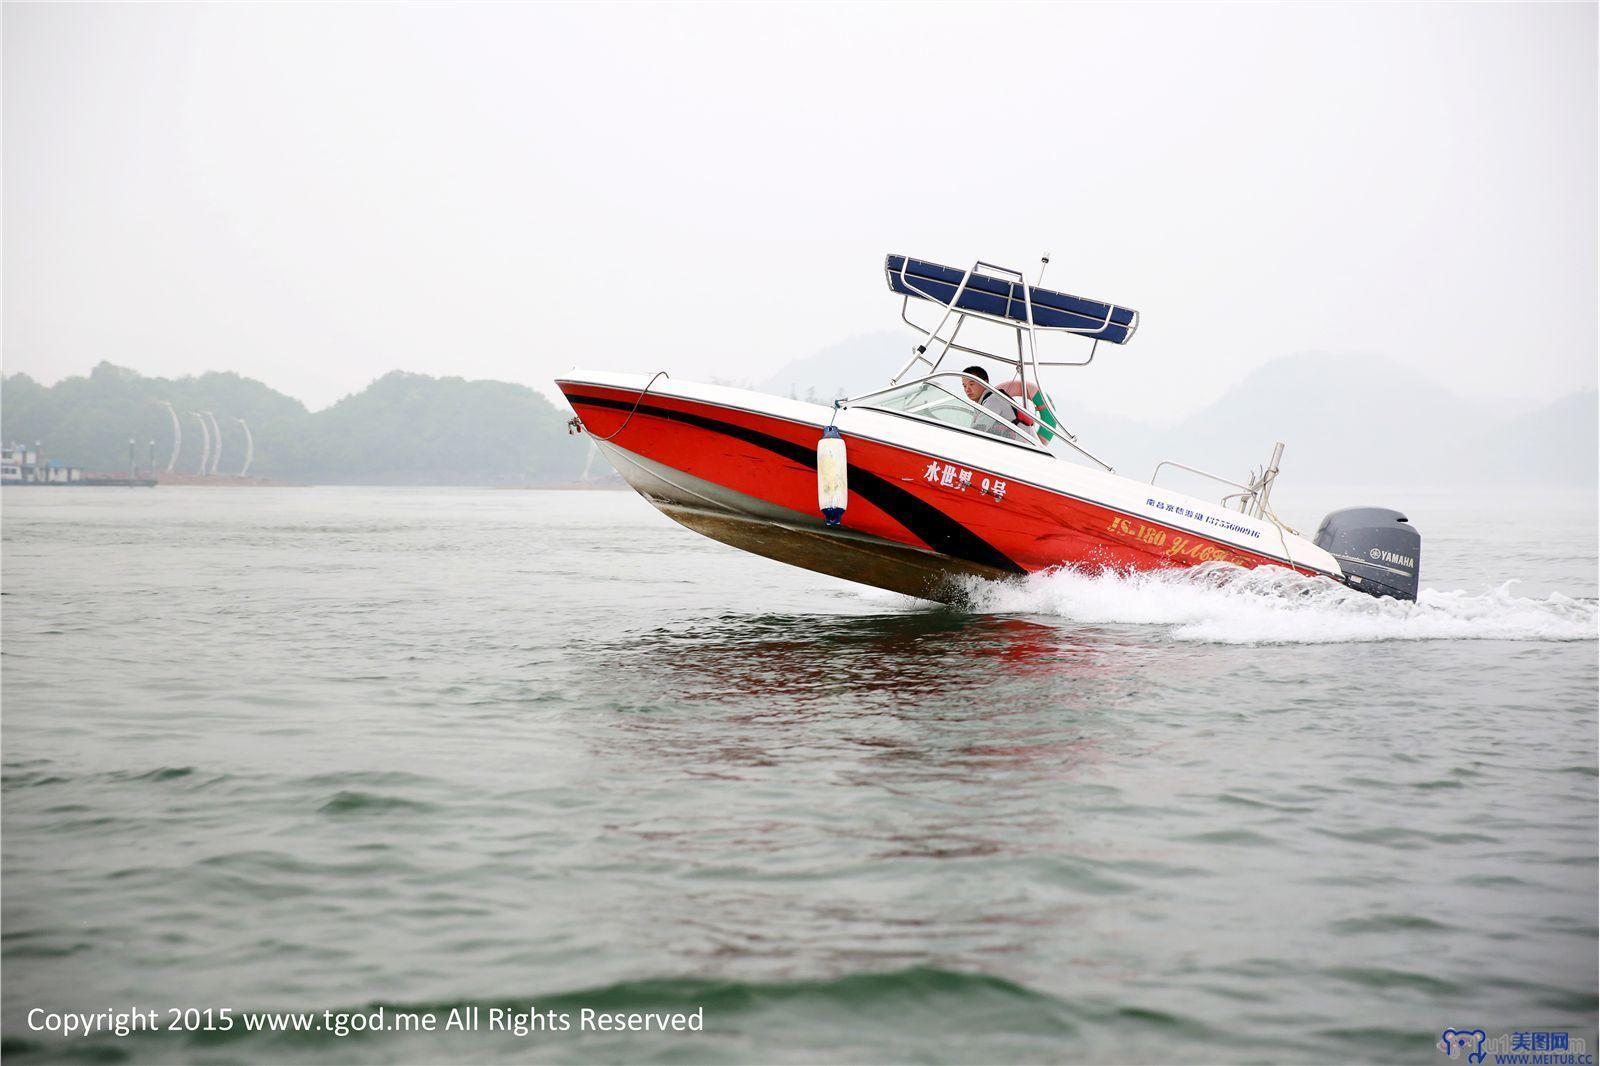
(933, 401)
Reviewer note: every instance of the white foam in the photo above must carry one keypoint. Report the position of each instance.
(1224, 604)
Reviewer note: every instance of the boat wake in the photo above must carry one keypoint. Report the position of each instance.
(1216, 603)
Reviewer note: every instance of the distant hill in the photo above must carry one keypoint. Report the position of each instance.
(1555, 444)
(849, 368)
(1363, 420)
(87, 421)
(401, 429)
(415, 429)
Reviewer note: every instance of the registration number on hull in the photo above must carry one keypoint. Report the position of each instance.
(949, 476)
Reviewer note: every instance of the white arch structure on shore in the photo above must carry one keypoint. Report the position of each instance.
(249, 447)
(205, 443)
(177, 434)
(216, 456)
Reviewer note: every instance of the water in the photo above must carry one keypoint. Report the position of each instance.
(327, 749)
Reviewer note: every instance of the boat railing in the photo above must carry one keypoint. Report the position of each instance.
(1028, 433)
(1196, 470)
(1253, 498)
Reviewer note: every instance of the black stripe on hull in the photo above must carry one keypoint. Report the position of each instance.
(926, 522)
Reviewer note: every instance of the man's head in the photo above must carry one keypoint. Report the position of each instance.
(974, 390)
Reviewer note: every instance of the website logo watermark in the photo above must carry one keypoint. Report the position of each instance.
(1518, 1048)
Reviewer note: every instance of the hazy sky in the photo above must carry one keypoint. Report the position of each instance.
(313, 195)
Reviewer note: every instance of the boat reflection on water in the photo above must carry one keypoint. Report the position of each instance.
(936, 693)
(900, 659)
(918, 738)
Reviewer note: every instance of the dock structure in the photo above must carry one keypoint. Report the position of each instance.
(22, 465)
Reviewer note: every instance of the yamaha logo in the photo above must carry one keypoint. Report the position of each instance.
(1391, 557)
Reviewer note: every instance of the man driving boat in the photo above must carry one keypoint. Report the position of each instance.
(988, 398)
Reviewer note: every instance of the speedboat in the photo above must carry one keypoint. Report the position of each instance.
(945, 475)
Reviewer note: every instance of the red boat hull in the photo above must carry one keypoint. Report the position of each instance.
(749, 478)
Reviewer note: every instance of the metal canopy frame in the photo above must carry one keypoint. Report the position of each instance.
(1026, 330)
(1252, 498)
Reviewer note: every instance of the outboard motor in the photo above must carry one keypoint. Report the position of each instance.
(1379, 550)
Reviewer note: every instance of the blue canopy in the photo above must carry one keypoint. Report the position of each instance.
(1003, 299)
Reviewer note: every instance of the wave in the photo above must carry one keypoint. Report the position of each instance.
(1217, 603)
(352, 802)
(873, 992)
